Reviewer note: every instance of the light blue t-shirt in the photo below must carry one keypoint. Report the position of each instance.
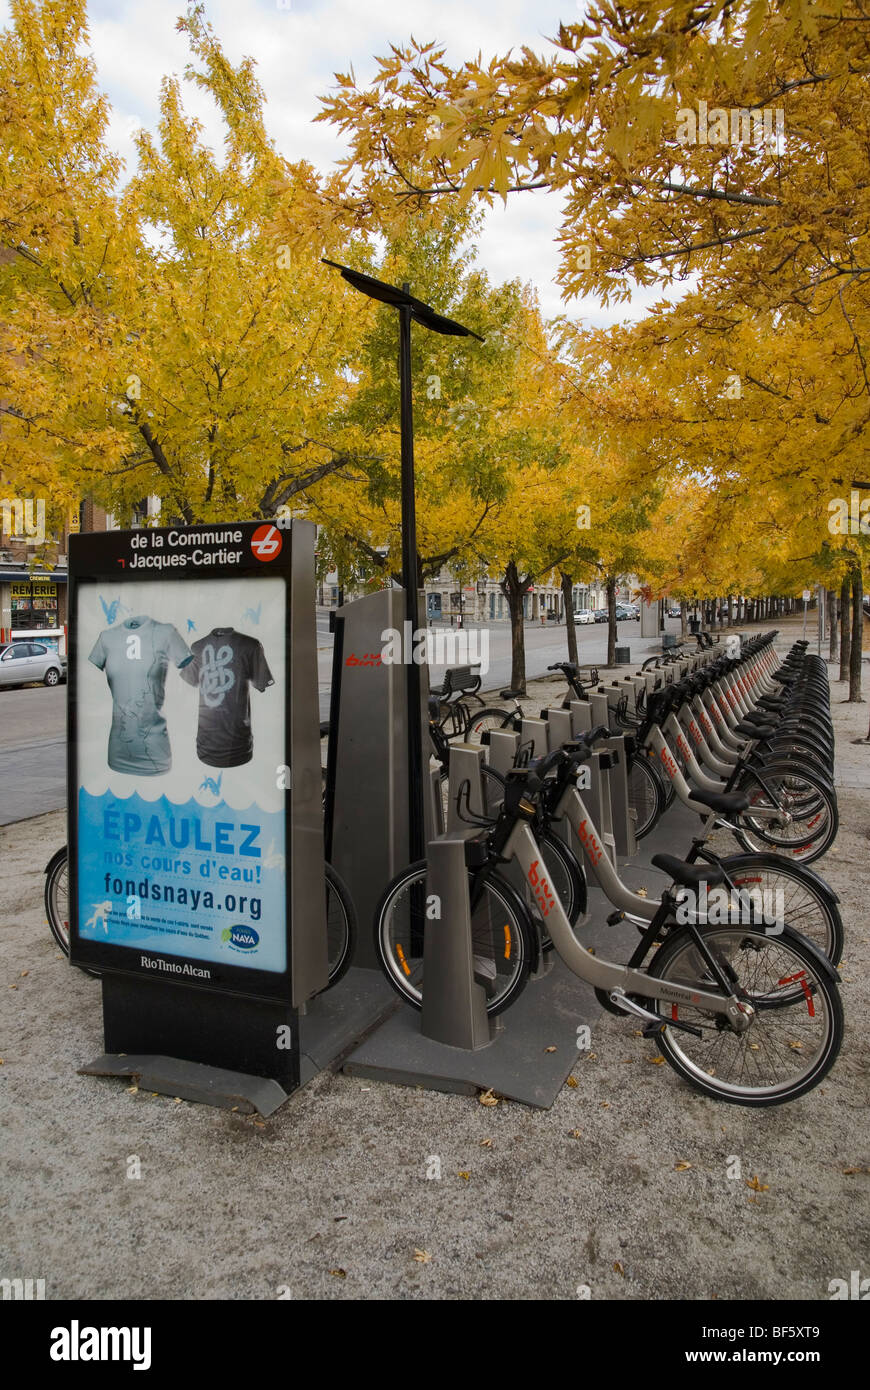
(135, 656)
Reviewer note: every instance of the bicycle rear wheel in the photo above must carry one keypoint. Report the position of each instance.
(501, 932)
(57, 899)
(795, 1034)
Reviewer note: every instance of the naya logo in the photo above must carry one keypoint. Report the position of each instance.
(370, 659)
(241, 938)
(266, 542)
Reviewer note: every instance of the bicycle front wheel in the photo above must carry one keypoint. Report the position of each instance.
(814, 817)
(797, 1022)
(501, 936)
(340, 927)
(566, 878)
(646, 795)
(493, 785)
(485, 719)
(795, 895)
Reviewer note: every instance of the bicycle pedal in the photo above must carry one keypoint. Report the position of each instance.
(615, 918)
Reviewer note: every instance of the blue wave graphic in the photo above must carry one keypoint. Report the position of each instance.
(207, 883)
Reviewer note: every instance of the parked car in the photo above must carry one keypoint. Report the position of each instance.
(674, 610)
(584, 615)
(600, 615)
(21, 662)
(624, 611)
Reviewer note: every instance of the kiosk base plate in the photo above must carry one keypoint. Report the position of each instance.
(172, 1076)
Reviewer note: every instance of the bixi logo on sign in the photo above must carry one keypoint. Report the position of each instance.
(266, 542)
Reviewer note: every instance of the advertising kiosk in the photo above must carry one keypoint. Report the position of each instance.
(196, 839)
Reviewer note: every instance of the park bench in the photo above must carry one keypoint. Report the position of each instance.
(458, 681)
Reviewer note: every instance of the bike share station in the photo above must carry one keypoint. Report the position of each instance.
(198, 839)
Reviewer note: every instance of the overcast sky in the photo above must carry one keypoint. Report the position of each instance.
(298, 45)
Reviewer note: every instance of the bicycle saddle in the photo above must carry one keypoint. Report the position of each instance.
(512, 694)
(753, 728)
(728, 803)
(689, 875)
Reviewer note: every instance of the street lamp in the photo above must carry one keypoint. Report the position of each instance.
(409, 309)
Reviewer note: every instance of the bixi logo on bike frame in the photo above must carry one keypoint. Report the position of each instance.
(444, 647)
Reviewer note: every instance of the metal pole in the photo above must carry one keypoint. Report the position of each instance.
(805, 620)
(416, 843)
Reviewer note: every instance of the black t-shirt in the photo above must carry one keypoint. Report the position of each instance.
(225, 664)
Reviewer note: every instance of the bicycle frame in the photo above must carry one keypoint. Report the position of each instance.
(656, 740)
(607, 975)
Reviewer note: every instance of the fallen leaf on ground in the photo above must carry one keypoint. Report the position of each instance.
(487, 1098)
(132, 1090)
(681, 1166)
(618, 1269)
(756, 1185)
(486, 1143)
(465, 1176)
(339, 1273)
(572, 1082)
(574, 1133)
(605, 1104)
(656, 1061)
(422, 1257)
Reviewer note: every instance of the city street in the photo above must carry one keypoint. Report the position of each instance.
(33, 719)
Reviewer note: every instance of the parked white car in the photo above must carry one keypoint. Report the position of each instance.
(21, 662)
(584, 615)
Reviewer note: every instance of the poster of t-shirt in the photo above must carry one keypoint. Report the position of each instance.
(181, 727)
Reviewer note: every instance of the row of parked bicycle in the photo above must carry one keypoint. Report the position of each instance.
(746, 1009)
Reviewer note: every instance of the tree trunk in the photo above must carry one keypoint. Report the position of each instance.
(832, 624)
(683, 627)
(611, 620)
(568, 600)
(514, 588)
(845, 627)
(857, 638)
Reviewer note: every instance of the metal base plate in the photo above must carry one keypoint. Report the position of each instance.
(335, 1021)
(516, 1064)
(171, 1076)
